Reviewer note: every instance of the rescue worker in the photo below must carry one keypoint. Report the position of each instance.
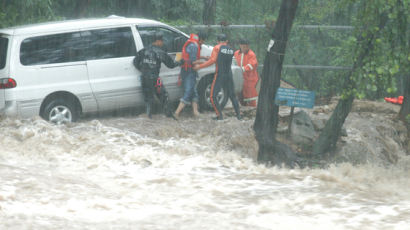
(246, 59)
(148, 61)
(191, 55)
(222, 56)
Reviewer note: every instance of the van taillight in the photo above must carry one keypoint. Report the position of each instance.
(7, 83)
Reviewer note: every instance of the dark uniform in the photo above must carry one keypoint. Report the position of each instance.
(224, 79)
(148, 61)
(222, 56)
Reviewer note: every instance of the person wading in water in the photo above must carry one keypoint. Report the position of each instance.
(148, 61)
(221, 56)
(191, 55)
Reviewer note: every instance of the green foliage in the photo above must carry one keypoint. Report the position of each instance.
(382, 35)
(187, 10)
(23, 12)
(245, 11)
(388, 57)
(320, 47)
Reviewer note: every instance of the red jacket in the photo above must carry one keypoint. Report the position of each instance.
(249, 65)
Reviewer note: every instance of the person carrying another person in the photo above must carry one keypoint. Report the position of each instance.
(148, 61)
(246, 59)
(222, 56)
(191, 55)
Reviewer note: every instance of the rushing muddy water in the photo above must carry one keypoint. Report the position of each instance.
(135, 173)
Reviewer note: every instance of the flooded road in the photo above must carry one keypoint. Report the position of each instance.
(134, 173)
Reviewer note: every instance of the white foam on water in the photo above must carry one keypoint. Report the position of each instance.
(95, 175)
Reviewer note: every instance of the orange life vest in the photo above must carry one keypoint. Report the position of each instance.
(185, 56)
(395, 100)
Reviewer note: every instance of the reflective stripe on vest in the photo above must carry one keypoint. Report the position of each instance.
(250, 99)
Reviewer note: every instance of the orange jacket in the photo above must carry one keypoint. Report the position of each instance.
(249, 64)
(214, 56)
(185, 56)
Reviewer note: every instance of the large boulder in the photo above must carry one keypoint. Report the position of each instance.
(302, 131)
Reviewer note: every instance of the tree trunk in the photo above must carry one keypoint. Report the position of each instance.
(330, 134)
(403, 24)
(208, 14)
(405, 108)
(328, 137)
(270, 150)
(404, 113)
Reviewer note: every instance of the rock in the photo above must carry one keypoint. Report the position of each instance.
(283, 156)
(286, 156)
(372, 138)
(302, 130)
(319, 124)
(354, 152)
(374, 107)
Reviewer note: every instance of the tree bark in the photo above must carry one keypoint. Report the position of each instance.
(405, 108)
(330, 134)
(403, 25)
(267, 117)
(208, 14)
(328, 137)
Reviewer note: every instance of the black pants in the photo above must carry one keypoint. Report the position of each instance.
(223, 81)
(151, 86)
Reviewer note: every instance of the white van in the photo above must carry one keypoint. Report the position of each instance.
(60, 70)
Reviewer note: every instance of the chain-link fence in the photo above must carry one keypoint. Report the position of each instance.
(310, 57)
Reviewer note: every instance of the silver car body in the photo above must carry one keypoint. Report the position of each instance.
(99, 84)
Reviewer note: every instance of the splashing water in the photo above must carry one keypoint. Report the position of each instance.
(137, 173)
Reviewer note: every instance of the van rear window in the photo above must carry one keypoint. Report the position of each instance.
(57, 48)
(3, 51)
(78, 46)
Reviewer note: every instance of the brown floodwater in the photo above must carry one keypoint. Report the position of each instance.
(131, 172)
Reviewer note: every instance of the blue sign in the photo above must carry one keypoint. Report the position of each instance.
(295, 98)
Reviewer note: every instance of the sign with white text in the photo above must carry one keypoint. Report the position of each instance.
(295, 98)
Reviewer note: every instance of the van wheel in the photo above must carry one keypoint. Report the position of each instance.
(60, 111)
(204, 91)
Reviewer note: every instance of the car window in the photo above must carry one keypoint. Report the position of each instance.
(57, 48)
(108, 43)
(3, 51)
(173, 41)
(78, 46)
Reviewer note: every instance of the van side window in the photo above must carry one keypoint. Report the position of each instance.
(57, 48)
(108, 43)
(3, 51)
(78, 46)
(173, 41)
